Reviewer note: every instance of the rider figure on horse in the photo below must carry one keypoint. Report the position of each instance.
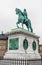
(22, 18)
(25, 14)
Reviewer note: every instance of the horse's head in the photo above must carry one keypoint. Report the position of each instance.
(17, 11)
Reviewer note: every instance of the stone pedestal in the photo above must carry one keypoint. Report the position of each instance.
(20, 52)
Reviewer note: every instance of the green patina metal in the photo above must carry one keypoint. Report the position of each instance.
(25, 44)
(22, 18)
(13, 43)
(34, 45)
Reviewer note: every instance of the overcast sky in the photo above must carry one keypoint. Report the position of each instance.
(8, 17)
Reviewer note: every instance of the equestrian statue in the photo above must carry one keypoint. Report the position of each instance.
(22, 18)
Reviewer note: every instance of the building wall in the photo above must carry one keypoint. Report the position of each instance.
(40, 50)
(3, 47)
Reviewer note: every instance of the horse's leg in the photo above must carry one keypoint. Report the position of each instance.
(28, 28)
(31, 28)
(17, 25)
(22, 24)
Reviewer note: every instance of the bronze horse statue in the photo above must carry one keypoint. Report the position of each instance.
(23, 20)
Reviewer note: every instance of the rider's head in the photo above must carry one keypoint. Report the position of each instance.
(24, 9)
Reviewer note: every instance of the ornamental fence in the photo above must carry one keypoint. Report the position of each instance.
(20, 62)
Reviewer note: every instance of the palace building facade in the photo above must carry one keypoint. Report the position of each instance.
(3, 44)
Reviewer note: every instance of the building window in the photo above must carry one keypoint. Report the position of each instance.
(34, 45)
(25, 44)
(13, 43)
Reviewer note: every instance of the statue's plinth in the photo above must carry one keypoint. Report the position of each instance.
(21, 53)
